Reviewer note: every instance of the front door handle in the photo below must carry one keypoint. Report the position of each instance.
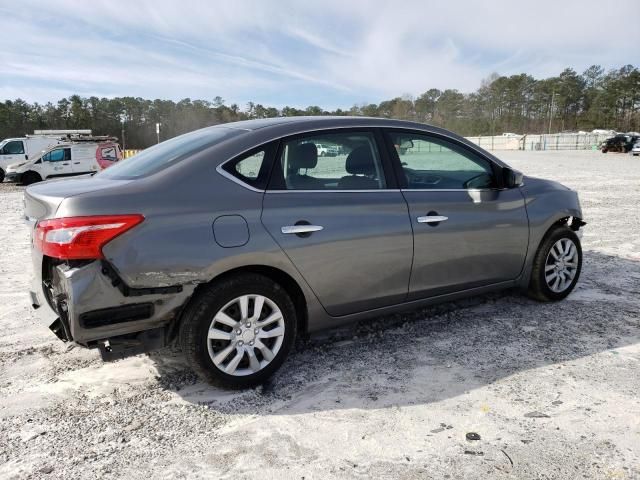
(76, 163)
(432, 219)
(298, 229)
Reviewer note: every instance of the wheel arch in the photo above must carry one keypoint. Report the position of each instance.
(32, 172)
(568, 218)
(277, 275)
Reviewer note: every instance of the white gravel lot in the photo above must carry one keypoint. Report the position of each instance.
(552, 389)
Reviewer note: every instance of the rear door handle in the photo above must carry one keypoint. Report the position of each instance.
(76, 163)
(432, 219)
(298, 229)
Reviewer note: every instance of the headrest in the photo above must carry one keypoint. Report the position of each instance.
(360, 162)
(304, 155)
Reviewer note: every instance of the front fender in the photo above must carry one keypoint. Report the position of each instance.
(547, 203)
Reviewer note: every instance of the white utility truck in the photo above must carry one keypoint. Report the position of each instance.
(20, 149)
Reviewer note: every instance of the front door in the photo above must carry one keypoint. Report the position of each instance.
(468, 232)
(12, 152)
(336, 217)
(56, 163)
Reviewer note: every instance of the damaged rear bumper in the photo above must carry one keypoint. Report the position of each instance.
(91, 306)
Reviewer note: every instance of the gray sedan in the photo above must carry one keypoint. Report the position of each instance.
(234, 239)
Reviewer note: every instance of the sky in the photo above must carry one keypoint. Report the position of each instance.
(331, 53)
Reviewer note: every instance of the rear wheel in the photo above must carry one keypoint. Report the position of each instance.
(237, 332)
(31, 177)
(556, 266)
(1, 175)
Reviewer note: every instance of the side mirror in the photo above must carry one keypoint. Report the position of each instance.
(512, 178)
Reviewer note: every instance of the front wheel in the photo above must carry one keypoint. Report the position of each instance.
(556, 266)
(237, 332)
(31, 177)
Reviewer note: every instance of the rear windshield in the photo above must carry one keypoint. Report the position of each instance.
(167, 153)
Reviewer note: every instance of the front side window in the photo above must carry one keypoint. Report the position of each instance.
(331, 161)
(15, 147)
(433, 163)
(57, 155)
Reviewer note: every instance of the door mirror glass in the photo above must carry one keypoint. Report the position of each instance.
(512, 178)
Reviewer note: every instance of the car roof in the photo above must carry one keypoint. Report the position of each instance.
(321, 122)
(268, 129)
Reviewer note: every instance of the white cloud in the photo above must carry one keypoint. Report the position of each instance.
(288, 51)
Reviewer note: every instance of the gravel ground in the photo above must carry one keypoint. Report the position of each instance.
(551, 389)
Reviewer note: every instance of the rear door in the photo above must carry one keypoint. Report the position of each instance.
(468, 231)
(341, 219)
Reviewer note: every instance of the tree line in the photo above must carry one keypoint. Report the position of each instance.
(517, 103)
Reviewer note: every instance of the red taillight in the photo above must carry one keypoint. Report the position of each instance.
(76, 238)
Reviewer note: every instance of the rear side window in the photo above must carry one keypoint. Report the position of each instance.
(15, 147)
(161, 156)
(330, 161)
(252, 168)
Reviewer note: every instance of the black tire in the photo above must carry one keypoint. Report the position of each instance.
(197, 318)
(1, 175)
(538, 288)
(31, 177)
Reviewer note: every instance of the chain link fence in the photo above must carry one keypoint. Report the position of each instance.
(556, 141)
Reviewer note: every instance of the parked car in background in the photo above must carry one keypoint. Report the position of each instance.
(620, 143)
(90, 155)
(234, 239)
(635, 150)
(327, 150)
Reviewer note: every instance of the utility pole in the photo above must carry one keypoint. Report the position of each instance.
(124, 143)
(158, 131)
(551, 110)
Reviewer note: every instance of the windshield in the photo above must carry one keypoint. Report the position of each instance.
(167, 153)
